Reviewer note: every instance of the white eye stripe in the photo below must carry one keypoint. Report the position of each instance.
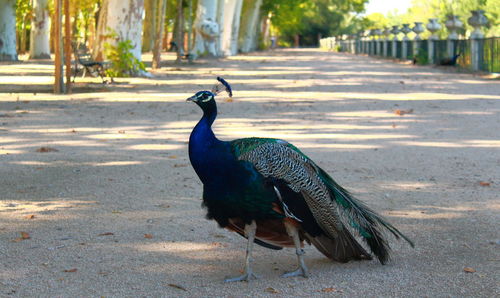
(206, 99)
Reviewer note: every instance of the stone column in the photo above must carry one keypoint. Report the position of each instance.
(394, 31)
(477, 21)
(433, 26)
(378, 33)
(452, 24)
(404, 51)
(418, 28)
(387, 32)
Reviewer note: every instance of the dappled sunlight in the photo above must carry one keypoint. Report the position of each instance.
(66, 163)
(442, 212)
(47, 204)
(293, 135)
(405, 185)
(415, 214)
(454, 144)
(340, 147)
(182, 247)
(155, 147)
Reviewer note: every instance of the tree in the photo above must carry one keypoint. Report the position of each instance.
(40, 31)
(249, 25)
(159, 30)
(8, 50)
(230, 27)
(206, 28)
(148, 39)
(123, 18)
(310, 18)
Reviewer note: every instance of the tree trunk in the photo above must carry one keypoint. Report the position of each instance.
(40, 31)
(58, 47)
(206, 28)
(231, 25)
(162, 9)
(179, 32)
(7, 31)
(123, 17)
(148, 36)
(249, 27)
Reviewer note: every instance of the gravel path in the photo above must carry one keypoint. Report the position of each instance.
(111, 205)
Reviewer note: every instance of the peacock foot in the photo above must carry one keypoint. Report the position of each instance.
(245, 277)
(299, 272)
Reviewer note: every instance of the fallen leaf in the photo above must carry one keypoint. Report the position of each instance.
(106, 234)
(24, 236)
(31, 216)
(330, 290)
(394, 125)
(403, 112)
(71, 270)
(180, 165)
(484, 183)
(469, 270)
(271, 290)
(177, 287)
(229, 99)
(148, 236)
(173, 156)
(116, 212)
(46, 149)
(121, 131)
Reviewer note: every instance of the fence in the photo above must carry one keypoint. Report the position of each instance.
(477, 53)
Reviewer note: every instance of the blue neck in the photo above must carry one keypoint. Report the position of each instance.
(202, 143)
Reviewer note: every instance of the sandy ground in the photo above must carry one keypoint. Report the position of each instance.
(115, 210)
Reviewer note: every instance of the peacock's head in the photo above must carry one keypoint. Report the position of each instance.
(206, 99)
(202, 98)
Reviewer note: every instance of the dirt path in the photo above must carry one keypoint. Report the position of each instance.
(115, 210)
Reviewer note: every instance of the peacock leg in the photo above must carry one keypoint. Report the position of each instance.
(250, 233)
(294, 233)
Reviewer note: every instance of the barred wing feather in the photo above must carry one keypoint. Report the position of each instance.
(336, 211)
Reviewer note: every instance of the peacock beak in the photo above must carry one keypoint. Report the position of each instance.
(193, 98)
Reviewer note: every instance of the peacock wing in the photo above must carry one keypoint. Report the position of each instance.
(279, 160)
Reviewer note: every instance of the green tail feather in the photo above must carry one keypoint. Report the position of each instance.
(363, 219)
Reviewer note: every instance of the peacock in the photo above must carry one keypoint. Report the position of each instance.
(449, 61)
(271, 193)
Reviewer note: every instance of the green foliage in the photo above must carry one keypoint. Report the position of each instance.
(123, 62)
(24, 11)
(310, 18)
(422, 58)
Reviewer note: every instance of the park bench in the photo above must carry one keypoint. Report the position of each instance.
(91, 66)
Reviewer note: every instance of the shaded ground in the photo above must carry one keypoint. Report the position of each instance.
(117, 206)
